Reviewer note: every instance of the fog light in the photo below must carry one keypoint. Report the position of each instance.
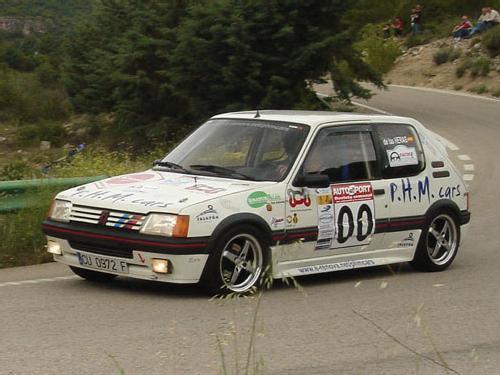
(160, 265)
(53, 247)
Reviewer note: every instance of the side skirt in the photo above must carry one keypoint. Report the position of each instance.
(342, 262)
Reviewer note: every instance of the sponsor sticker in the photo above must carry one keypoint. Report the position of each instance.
(402, 155)
(291, 220)
(210, 214)
(298, 198)
(340, 266)
(324, 199)
(277, 222)
(408, 241)
(259, 199)
(403, 140)
(326, 220)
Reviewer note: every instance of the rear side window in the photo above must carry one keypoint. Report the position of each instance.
(342, 156)
(402, 151)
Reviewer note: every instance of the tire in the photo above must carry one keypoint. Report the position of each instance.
(237, 262)
(439, 241)
(94, 276)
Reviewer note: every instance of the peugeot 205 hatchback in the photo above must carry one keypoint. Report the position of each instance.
(285, 192)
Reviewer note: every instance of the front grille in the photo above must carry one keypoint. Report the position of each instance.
(115, 219)
(119, 251)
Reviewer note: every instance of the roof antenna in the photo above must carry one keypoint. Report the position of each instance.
(257, 114)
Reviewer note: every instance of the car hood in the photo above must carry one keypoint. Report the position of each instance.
(155, 191)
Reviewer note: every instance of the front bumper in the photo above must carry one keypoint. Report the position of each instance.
(187, 256)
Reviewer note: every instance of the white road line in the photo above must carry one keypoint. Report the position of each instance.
(371, 108)
(440, 138)
(37, 281)
(468, 167)
(444, 141)
(428, 89)
(468, 177)
(464, 157)
(360, 105)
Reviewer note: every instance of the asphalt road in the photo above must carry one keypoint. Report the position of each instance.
(369, 321)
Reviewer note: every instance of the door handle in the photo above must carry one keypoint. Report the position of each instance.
(379, 191)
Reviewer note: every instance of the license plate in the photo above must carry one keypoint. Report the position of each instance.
(102, 263)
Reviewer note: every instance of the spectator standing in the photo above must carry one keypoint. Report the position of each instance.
(387, 31)
(398, 26)
(416, 19)
(463, 29)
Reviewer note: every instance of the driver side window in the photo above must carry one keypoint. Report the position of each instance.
(342, 155)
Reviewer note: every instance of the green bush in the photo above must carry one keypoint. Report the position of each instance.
(16, 170)
(491, 41)
(462, 68)
(446, 54)
(29, 135)
(480, 67)
(496, 93)
(442, 56)
(25, 99)
(417, 40)
(481, 89)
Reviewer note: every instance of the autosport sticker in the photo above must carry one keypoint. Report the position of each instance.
(402, 155)
(354, 213)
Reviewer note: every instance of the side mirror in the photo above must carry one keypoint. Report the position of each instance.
(312, 181)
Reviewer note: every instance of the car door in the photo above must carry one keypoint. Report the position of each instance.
(343, 217)
(406, 182)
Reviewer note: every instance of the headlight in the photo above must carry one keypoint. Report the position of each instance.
(60, 210)
(166, 225)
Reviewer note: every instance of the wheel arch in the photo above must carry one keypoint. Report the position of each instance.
(241, 219)
(443, 204)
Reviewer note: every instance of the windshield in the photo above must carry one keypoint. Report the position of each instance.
(243, 149)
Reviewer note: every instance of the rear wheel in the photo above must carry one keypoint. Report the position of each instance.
(94, 276)
(438, 243)
(237, 263)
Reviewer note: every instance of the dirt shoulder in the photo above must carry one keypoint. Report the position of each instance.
(416, 67)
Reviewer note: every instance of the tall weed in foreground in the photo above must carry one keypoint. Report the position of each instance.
(237, 345)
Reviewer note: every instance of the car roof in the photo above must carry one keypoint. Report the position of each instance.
(314, 118)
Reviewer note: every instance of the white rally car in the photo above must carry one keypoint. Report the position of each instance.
(286, 192)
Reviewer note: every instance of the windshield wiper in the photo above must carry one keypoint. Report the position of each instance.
(219, 170)
(170, 165)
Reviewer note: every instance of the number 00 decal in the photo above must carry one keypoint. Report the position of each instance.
(354, 214)
(364, 215)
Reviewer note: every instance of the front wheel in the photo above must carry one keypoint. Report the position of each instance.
(237, 263)
(438, 243)
(94, 276)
